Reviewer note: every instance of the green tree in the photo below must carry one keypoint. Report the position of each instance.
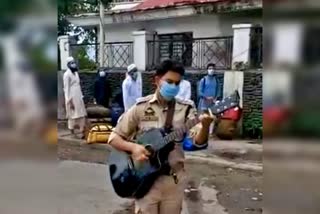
(85, 63)
(73, 7)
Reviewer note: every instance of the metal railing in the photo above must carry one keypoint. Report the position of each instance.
(117, 55)
(194, 53)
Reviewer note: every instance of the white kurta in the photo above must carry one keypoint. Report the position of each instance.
(131, 91)
(184, 91)
(23, 91)
(139, 79)
(72, 91)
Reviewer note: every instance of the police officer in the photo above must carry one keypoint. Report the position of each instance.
(166, 195)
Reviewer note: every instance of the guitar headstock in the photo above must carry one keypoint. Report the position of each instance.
(227, 103)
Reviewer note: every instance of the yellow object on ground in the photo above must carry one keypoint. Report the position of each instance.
(51, 136)
(99, 133)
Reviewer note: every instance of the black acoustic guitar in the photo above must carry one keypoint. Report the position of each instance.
(133, 179)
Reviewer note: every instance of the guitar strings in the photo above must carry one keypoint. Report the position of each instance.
(190, 123)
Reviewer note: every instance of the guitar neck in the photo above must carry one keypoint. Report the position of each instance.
(219, 107)
(179, 132)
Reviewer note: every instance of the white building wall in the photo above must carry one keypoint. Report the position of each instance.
(201, 26)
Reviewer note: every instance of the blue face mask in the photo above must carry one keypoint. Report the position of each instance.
(169, 91)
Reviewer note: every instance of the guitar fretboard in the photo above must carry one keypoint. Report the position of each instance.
(178, 133)
(217, 108)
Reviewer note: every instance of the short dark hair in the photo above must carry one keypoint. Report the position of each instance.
(211, 65)
(169, 65)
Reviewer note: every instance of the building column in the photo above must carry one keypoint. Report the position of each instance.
(65, 50)
(101, 35)
(241, 43)
(140, 48)
(286, 48)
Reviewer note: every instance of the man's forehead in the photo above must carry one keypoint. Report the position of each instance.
(172, 75)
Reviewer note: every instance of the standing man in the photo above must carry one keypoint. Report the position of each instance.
(208, 90)
(131, 87)
(185, 90)
(166, 195)
(102, 89)
(139, 80)
(75, 108)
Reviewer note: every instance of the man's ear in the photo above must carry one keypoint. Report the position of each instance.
(157, 80)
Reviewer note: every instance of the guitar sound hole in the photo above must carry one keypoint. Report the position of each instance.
(150, 150)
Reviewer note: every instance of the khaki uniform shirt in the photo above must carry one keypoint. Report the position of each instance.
(149, 113)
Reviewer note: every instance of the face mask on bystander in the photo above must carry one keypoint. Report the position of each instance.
(102, 73)
(169, 91)
(210, 72)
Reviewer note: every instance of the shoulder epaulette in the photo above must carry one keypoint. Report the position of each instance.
(144, 99)
(186, 102)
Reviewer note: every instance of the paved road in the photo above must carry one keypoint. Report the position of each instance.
(86, 190)
(72, 187)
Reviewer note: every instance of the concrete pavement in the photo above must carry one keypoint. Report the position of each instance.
(87, 189)
(220, 153)
(93, 189)
(235, 154)
(72, 187)
(233, 149)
